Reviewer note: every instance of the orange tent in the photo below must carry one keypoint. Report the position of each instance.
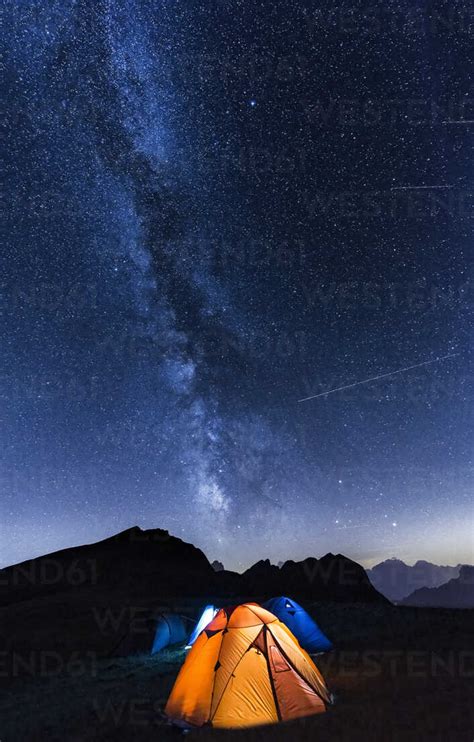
(246, 668)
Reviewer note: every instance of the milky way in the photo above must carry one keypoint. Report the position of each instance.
(207, 222)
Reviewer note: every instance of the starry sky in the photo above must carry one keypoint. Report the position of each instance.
(215, 210)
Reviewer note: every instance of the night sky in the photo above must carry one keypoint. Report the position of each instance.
(214, 210)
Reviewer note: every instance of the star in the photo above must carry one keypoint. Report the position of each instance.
(190, 268)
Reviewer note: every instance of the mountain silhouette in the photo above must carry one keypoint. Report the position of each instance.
(316, 579)
(141, 563)
(396, 580)
(456, 593)
(135, 560)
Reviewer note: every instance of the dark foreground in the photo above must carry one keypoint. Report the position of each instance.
(398, 674)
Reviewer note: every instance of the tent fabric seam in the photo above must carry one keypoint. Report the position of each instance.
(227, 683)
(217, 662)
(256, 614)
(270, 677)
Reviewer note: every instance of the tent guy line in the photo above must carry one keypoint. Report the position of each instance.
(374, 378)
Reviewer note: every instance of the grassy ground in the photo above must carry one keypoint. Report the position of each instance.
(398, 674)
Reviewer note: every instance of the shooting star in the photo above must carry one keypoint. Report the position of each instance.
(460, 121)
(375, 378)
(420, 188)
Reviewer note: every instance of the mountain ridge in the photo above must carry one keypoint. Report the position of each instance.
(150, 561)
(456, 593)
(396, 580)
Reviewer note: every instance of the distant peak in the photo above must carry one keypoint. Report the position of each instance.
(390, 561)
(121, 535)
(135, 533)
(424, 563)
(334, 557)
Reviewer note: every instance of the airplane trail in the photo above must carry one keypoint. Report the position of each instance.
(420, 188)
(375, 378)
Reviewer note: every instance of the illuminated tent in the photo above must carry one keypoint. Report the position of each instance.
(300, 624)
(150, 634)
(170, 629)
(246, 668)
(207, 615)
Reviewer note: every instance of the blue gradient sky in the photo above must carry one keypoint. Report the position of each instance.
(205, 225)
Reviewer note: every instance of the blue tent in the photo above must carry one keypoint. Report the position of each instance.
(170, 629)
(300, 624)
(206, 617)
(150, 635)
